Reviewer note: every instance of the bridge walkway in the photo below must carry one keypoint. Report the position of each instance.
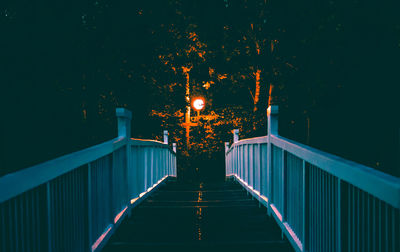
(186, 217)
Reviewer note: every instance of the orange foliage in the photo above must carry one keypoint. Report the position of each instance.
(222, 76)
(257, 93)
(201, 54)
(186, 69)
(211, 71)
(258, 48)
(192, 36)
(208, 84)
(270, 94)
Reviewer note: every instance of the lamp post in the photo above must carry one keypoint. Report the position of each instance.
(198, 105)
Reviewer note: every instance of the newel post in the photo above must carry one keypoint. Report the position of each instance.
(124, 122)
(272, 114)
(174, 160)
(236, 135)
(124, 117)
(272, 117)
(166, 136)
(227, 163)
(226, 147)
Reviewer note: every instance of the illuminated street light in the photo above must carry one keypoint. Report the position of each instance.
(198, 104)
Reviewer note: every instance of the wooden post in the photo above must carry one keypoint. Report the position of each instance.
(227, 163)
(272, 114)
(235, 135)
(124, 122)
(226, 147)
(166, 136)
(124, 117)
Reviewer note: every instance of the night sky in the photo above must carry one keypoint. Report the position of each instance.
(331, 66)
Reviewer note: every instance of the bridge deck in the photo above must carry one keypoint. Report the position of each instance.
(188, 216)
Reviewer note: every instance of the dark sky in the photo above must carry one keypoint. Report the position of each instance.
(336, 63)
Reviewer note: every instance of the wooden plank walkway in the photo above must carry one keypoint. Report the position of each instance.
(186, 217)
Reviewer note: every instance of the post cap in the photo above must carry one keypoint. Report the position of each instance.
(123, 112)
(273, 110)
(236, 131)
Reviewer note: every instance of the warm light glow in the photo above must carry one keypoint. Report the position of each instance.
(101, 238)
(198, 104)
(118, 216)
(152, 187)
(134, 200)
(277, 213)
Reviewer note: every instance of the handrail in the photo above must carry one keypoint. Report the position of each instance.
(321, 202)
(377, 183)
(21, 181)
(149, 142)
(78, 200)
(254, 140)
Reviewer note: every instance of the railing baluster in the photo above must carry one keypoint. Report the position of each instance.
(339, 216)
(151, 166)
(305, 226)
(324, 210)
(394, 229)
(284, 186)
(3, 227)
(69, 220)
(146, 168)
(358, 220)
(49, 215)
(89, 205)
(379, 225)
(16, 224)
(353, 218)
(311, 207)
(319, 208)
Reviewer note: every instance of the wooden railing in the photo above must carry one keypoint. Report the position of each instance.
(75, 202)
(321, 202)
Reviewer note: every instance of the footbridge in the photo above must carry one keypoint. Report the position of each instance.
(124, 195)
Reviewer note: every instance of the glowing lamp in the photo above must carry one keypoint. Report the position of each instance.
(198, 104)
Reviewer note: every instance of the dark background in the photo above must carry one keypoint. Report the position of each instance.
(66, 66)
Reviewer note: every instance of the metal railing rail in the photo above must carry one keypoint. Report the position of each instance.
(321, 202)
(75, 202)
